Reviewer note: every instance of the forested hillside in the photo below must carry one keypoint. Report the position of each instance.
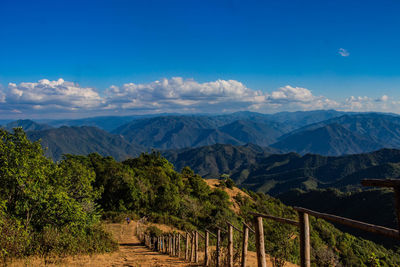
(375, 206)
(324, 132)
(348, 134)
(54, 208)
(84, 140)
(260, 170)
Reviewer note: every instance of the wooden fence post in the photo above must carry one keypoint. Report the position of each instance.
(196, 247)
(206, 240)
(162, 244)
(261, 262)
(245, 244)
(218, 247)
(169, 244)
(179, 245)
(230, 245)
(192, 248)
(187, 247)
(304, 239)
(174, 245)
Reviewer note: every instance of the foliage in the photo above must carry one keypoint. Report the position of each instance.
(52, 209)
(45, 207)
(330, 246)
(154, 231)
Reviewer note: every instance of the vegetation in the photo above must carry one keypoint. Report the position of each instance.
(329, 245)
(46, 209)
(375, 206)
(51, 208)
(256, 169)
(82, 141)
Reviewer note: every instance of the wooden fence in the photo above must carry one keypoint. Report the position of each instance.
(304, 227)
(171, 243)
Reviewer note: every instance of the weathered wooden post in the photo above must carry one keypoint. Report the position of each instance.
(206, 240)
(173, 244)
(245, 244)
(179, 245)
(187, 247)
(192, 248)
(163, 244)
(196, 247)
(304, 239)
(176, 244)
(258, 222)
(230, 245)
(218, 247)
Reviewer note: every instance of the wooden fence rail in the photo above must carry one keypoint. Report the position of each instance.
(304, 227)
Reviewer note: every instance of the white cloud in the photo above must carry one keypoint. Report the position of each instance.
(365, 103)
(343, 52)
(58, 94)
(176, 93)
(289, 93)
(46, 98)
(383, 98)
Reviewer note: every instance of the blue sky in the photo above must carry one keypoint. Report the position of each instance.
(264, 45)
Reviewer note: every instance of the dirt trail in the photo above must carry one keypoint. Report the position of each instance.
(131, 253)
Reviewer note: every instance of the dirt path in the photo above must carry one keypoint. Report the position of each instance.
(131, 253)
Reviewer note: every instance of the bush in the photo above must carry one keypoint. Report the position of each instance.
(154, 231)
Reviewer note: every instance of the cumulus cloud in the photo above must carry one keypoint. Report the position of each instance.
(343, 52)
(289, 93)
(45, 98)
(169, 94)
(365, 103)
(60, 93)
(299, 97)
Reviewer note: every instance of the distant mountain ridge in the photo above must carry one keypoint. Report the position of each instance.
(84, 140)
(348, 134)
(27, 125)
(259, 170)
(214, 160)
(324, 132)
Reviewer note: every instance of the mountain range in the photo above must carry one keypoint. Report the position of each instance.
(259, 170)
(297, 157)
(82, 141)
(324, 132)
